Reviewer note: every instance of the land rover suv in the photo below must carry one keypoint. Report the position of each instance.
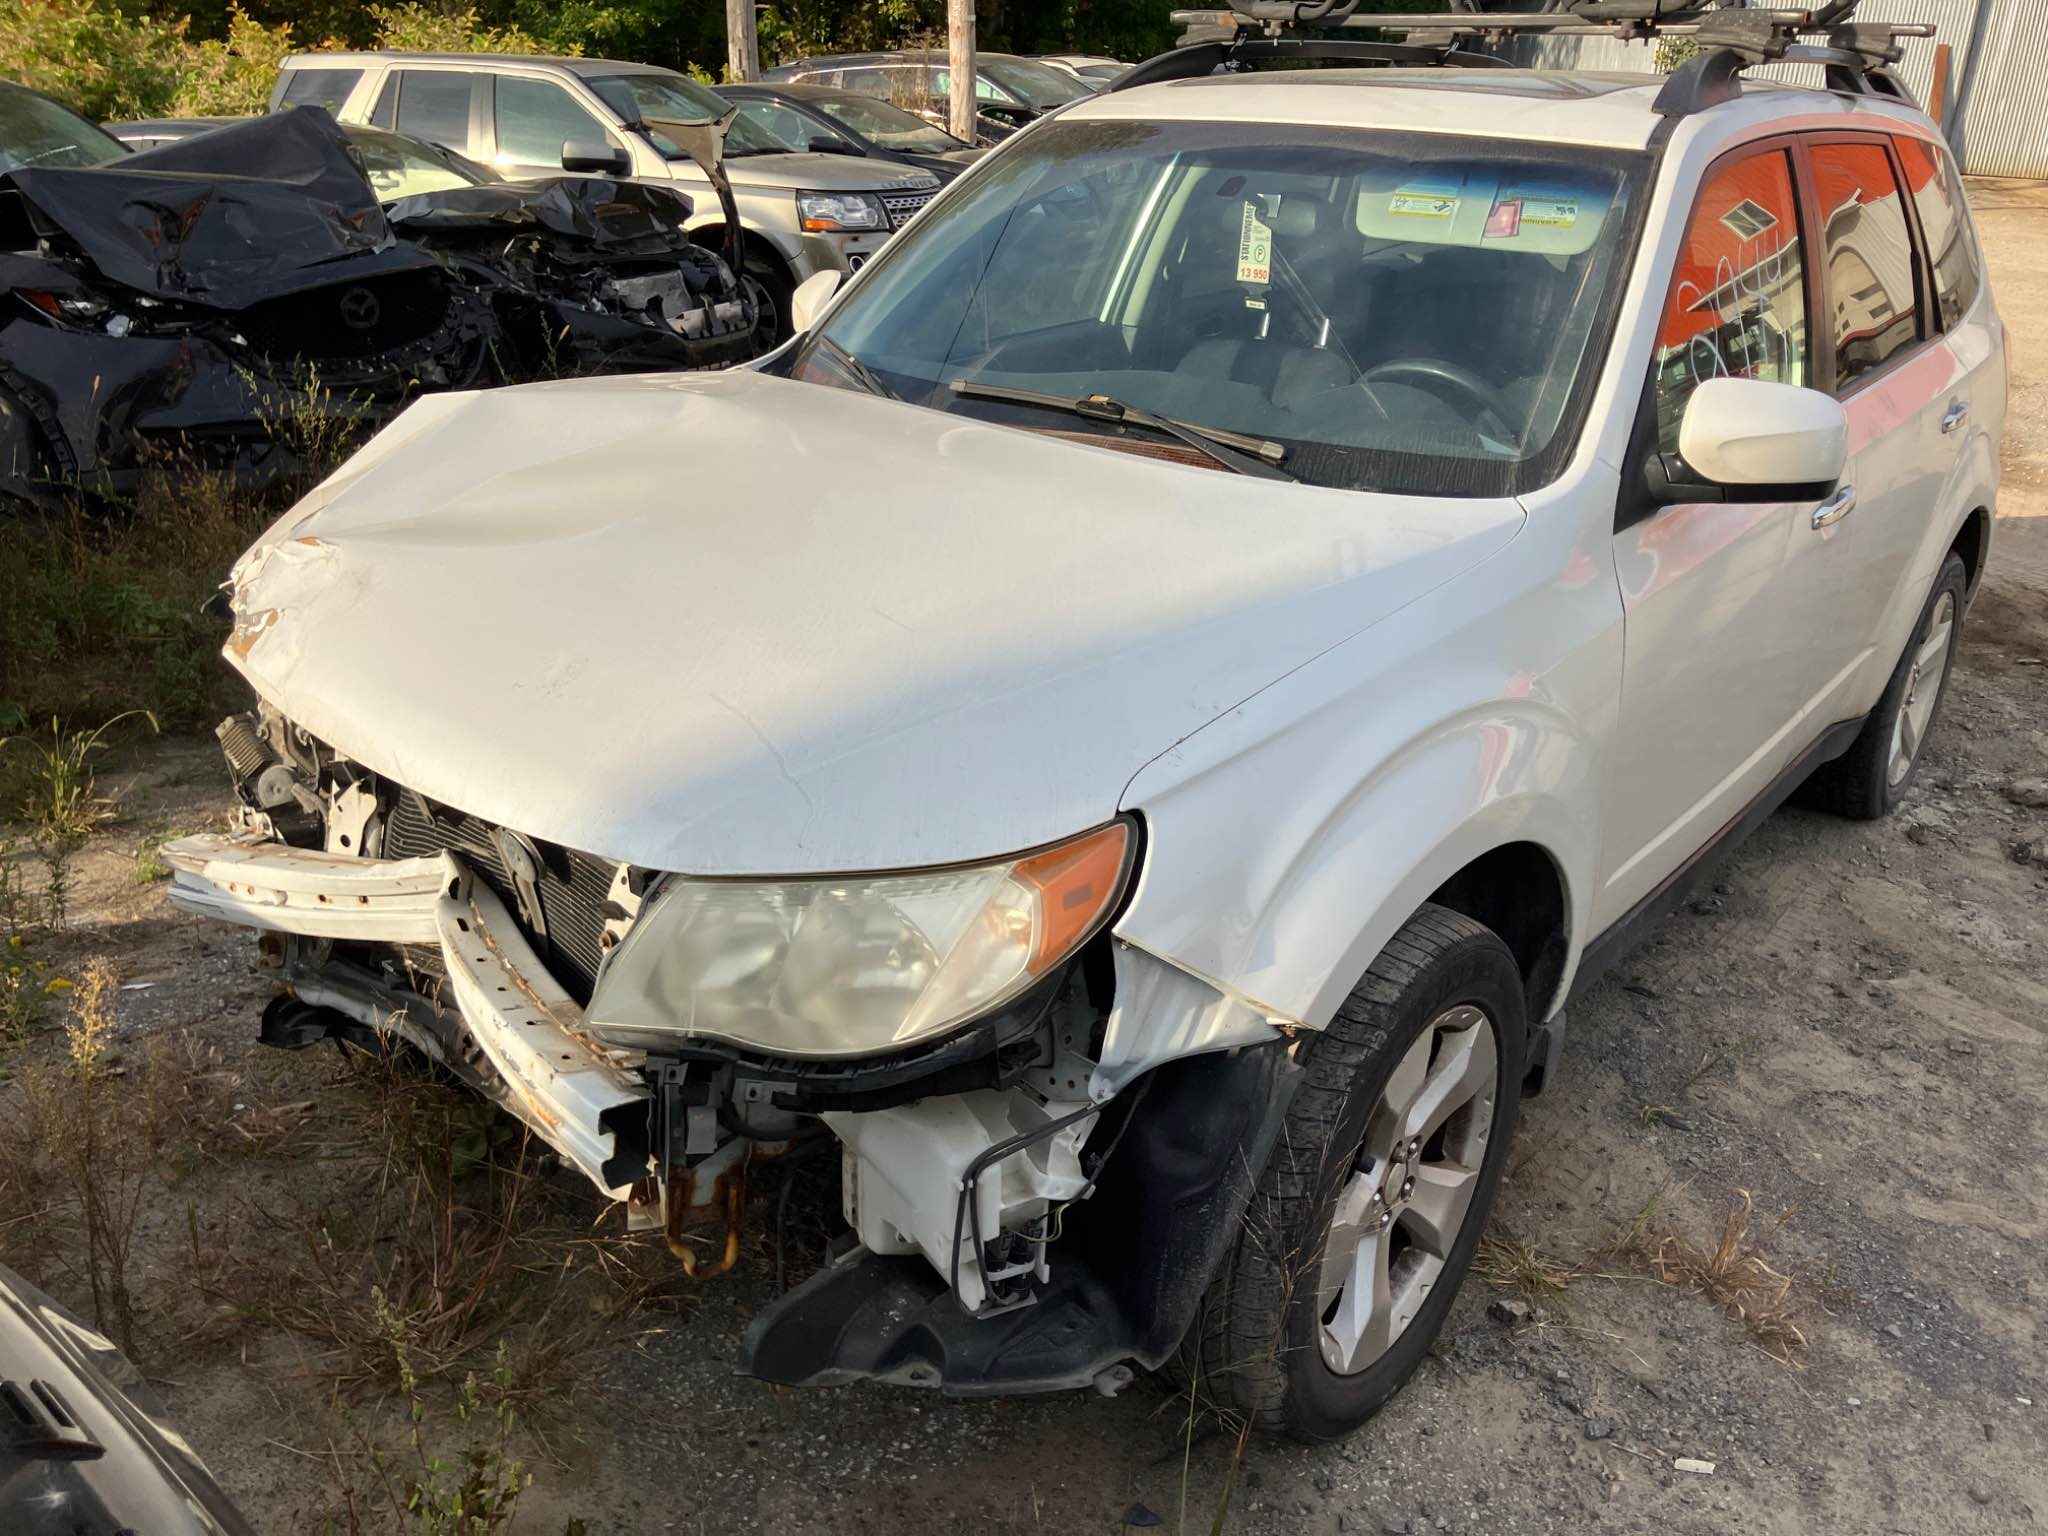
(803, 212)
(1169, 687)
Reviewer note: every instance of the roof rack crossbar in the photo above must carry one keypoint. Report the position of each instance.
(1854, 54)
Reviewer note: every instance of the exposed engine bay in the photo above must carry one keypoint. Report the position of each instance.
(1033, 1201)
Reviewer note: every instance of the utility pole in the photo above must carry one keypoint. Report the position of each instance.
(960, 65)
(742, 45)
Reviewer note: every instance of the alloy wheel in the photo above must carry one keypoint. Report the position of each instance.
(1923, 690)
(1399, 1213)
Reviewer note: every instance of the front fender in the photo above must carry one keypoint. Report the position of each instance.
(1290, 840)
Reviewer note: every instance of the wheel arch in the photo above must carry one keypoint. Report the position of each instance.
(1518, 890)
(1973, 543)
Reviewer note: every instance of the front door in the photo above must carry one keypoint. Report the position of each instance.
(1717, 668)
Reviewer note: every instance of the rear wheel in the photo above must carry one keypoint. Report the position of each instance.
(1367, 1214)
(1868, 780)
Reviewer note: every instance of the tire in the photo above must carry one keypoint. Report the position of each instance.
(1260, 1347)
(22, 469)
(772, 300)
(1868, 781)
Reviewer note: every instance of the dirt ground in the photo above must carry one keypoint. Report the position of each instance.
(1852, 1027)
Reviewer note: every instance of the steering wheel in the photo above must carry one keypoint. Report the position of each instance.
(1432, 374)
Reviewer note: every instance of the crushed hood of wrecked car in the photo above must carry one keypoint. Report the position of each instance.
(732, 623)
(227, 219)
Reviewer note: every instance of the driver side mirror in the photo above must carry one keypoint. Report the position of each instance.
(810, 299)
(595, 157)
(1746, 440)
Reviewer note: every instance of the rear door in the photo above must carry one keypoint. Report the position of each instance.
(1882, 356)
(1717, 667)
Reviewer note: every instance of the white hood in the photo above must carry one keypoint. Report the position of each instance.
(730, 623)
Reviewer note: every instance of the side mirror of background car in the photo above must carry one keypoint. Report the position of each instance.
(810, 299)
(595, 157)
(1748, 440)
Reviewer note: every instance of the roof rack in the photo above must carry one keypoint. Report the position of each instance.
(1855, 55)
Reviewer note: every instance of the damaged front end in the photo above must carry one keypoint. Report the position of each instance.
(588, 275)
(153, 309)
(1047, 1135)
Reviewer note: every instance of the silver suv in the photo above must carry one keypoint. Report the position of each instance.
(802, 212)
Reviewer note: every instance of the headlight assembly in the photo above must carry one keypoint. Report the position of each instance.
(840, 212)
(854, 965)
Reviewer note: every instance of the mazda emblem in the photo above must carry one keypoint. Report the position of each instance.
(360, 309)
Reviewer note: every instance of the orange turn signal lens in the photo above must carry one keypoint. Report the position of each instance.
(1077, 883)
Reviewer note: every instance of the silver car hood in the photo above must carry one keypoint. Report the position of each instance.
(733, 623)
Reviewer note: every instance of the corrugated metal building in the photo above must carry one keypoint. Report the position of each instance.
(1996, 115)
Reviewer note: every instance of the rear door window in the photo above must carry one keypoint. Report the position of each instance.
(1945, 226)
(433, 104)
(1872, 296)
(1737, 305)
(327, 88)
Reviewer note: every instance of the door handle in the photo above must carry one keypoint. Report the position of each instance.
(1958, 412)
(1835, 508)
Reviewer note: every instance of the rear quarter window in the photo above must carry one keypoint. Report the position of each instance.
(1945, 223)
(327, 88)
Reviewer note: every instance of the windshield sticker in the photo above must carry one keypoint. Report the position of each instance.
(1254, 248)
(1549, 212)
(1422, 205)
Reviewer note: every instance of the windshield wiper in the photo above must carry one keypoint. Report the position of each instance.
(1233, 450)
(855, 369)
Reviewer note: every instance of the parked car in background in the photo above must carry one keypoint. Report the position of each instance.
(1009, 90)
(801, 213)
(823, 117)
(86, 1448)
(155, 132)
(1092, 70)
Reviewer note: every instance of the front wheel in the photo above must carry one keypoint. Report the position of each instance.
(1369, 1210)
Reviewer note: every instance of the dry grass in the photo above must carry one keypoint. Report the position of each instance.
(445, 1239)
(1730, 1271)
(1507, 1263)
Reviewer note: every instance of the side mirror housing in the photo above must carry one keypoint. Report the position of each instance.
(595, 157)
(810, 299)
(1749, 440)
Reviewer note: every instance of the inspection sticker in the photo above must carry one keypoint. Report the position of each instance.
(1254, 248)
(1423, 205)
(1550, 212)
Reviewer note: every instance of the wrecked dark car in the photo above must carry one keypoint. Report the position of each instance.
(205, 298)
(155, 308)
(587, 274)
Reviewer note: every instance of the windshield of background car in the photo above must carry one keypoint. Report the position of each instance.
(672, 98)
(401, 167)
(891, 127)
(1403, 312)
(1038, 86)
(35, 131)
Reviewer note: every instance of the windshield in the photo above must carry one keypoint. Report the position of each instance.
(1400, 311)
(398, 166)
(1038, 86)
(891, 127)
(36, 131)
(658, 98)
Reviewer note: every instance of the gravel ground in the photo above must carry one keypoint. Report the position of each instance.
(1852, 1026)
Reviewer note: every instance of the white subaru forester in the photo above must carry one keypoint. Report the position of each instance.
(1141, 718)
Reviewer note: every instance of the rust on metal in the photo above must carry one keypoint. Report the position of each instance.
(728, 1191)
